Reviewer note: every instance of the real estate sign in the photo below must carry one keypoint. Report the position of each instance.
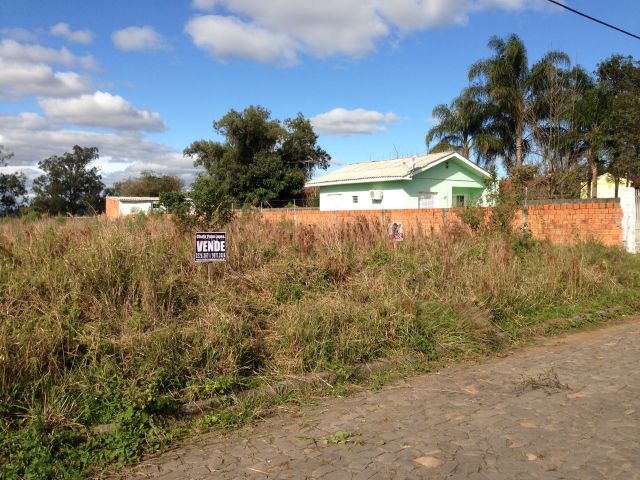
(396, 232)
(211, 247)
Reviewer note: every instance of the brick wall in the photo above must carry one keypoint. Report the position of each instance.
(560, 221)
(564, 221)
(112, 208)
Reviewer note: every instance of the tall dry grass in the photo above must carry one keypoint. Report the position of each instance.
(97, 316)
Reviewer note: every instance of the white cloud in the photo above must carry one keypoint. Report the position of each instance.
(24, 121)
(31, 53)
(204, 4)
(412, 15)
(26, 70)
(32, 139)
(78, 36)
(226, 37)
(343, 122)
(21, 34)
(138, 39)
(330, 27)
(101, 109)
(18, 79)
(508, 4)
(327, 28)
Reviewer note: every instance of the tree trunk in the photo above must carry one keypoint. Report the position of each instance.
(617, 184)
(519, 141)
(593, 164)
(465, 148)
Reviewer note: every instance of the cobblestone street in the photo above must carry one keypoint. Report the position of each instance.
(506, 418)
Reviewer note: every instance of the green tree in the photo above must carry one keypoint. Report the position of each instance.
(206, 206)
(12, 187)
(591, 111)
(563, 124)
(462, 127)
(148, 184)
(619, 80)
(69, 186)
(261, 160)
(506, 81)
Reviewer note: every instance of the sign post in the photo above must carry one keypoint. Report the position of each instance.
(210, 247)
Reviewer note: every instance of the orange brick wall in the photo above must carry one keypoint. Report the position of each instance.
(565, 222)
(558, 221)
(112, 208)
(427, 220)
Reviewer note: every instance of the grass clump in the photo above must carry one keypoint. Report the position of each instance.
(113, 323)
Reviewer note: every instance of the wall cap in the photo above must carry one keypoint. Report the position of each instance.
(557, 201)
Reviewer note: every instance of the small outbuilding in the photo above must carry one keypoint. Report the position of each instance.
(117, 207)
(436, 180)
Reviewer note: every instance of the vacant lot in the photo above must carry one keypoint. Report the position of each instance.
(113, 323)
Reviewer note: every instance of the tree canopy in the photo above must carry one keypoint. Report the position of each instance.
(619, 81)
(148, 184)
(507, 82)
(12, 187)
(69, 185)
(550, 122)
(261, 160)
(463, 127)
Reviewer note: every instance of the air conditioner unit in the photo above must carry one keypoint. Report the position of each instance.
(376, 194)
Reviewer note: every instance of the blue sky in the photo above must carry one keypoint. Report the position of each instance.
(143, 79)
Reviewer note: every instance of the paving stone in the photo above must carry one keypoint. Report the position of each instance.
(468, 417)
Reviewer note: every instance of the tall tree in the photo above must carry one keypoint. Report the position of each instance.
(563, 127)
(590, 115)
(462, 127)
(12, 187)
(619, 80)
(148, 184)
(69, 185)
(507, 82)
(261, 159)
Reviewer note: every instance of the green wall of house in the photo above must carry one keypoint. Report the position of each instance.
(445, 180)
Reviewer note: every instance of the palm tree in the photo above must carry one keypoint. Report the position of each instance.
(461, 127)
(506, 81)
(590, 113)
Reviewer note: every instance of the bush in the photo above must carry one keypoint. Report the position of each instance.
(474, 217)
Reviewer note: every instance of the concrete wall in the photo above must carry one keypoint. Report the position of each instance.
(132, 208)
(404, 194)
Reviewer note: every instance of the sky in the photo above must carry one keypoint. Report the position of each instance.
(142, 79)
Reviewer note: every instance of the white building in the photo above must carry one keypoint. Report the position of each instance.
(117, 207)
(436, 180)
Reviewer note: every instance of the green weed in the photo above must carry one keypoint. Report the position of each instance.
(112, 323)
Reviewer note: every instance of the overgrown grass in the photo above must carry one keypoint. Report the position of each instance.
(112, 322)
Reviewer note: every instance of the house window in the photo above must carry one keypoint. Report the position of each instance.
(427, 199)
(354, 199)
(459, 201)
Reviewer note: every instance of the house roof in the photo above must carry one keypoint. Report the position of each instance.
(136, 199)
(389, 170)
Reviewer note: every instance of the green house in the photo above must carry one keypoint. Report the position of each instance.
(436, 180)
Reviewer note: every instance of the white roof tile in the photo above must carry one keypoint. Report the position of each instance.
(136, 199)
(380, 170)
